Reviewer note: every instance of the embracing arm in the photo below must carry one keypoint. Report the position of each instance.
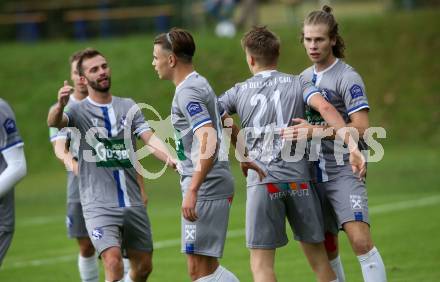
(62, 152)
(158, 148)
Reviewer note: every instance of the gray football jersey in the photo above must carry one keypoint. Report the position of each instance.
(343, 87)
(194, 105)
(55, 134)
(9, 137)
(107, 177)
(265, 103)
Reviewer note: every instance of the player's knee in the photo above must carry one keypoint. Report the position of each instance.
(114, 264)
(361, 245)
(143, 270)
(260, 267)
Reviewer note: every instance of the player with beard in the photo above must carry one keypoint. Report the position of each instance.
(110, 194)
(65, 150)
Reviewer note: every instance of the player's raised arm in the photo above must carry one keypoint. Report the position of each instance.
(55, 117)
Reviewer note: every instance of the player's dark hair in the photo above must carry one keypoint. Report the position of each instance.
(75, 56)
(325, 16)
(86, 54)
(262, 44)
(178, 41)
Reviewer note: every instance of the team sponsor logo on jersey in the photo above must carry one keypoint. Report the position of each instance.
(97, 233)
(282, 190)
(111, 153)
(194, 108)
(327, 94)
(356, 91)
(123, 121)
(9, 126)
(356, 202)
(190, 232)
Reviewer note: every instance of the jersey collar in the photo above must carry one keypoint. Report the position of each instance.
(98, 104)
(188, 76)
(265, 73)
(327, 69)
(72, 97)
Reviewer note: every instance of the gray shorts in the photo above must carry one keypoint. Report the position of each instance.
(343, 199)
(5, 242)
(75, 223)
(268, 206)
(206, 236)
(127, 228)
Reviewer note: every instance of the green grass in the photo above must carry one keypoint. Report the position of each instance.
(407, 238)
(395, 54)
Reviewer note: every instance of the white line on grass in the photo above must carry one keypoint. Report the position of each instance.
(385, 208)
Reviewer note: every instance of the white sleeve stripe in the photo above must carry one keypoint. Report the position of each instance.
(13, 145)
(57, 137)
(310, 96)
(352, 111)
(201, 124)
(142, 131)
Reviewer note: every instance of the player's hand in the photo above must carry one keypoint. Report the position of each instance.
(301, 131)
(172, 163)
(245, 166)
(358, 164)
(189, 205)
(64, 93)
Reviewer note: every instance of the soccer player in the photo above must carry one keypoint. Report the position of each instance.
(76, 226)
(12, 170)
(344, 195)
(63, 148)
(206, 182)
(110, 194)
(266, 103)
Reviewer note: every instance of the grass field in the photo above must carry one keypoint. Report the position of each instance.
(405, 215)
(393, 52)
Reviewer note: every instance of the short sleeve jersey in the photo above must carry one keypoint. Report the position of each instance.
(107, 176)
(9, 137)
(266, 103)
(343, 87)
(195, 105)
